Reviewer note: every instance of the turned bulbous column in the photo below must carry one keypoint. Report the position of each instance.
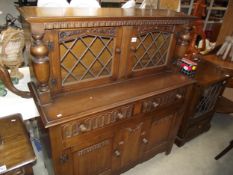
(40, 62)
(183, 42)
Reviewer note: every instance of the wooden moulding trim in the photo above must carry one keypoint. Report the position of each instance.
(50, 123)
(75, 24)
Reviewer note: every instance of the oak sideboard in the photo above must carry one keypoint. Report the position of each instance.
(103, 83)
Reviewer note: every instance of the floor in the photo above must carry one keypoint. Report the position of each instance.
(194, 158)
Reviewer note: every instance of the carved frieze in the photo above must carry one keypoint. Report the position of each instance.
(93, 148)
(67, 35)
(96, 121)
(79, 24)
(153, 28)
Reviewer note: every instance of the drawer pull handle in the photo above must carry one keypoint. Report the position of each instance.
(144, 140)
(118, 50)
(155, 104)
(83, 128)
(117, 153)
(120, 115)
(179, 96)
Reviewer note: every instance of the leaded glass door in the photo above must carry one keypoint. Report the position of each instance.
(150, 48)
(87, 57)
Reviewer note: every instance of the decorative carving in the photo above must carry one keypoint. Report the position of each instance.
(145, 29)
(67, 35)
(40, 62)
(133, 130)
(183, 39)
(153, 103)
(74, 24)
(93, 148)
(98, 121)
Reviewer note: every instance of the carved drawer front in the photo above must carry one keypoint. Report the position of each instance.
(97, 121)
(168, 98)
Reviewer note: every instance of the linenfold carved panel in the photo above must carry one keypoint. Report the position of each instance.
(86, 54)
(97, 121)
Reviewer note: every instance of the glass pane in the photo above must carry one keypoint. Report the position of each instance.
(151, 50)
(86, 57)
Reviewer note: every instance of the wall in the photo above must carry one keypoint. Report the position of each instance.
(7, 6)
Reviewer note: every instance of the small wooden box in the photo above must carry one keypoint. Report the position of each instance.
(16, 152)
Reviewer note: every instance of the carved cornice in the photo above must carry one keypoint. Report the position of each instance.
(76, 24)
(66, 35)
(151, 28)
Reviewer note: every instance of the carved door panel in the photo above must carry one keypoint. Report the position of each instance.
(160, 131)
(127, 145)
(94, 159)
(149, 48)
(85, 57)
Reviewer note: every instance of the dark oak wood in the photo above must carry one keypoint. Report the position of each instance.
(111, 100)
(16, 151)
(224, 105)
(210, 83)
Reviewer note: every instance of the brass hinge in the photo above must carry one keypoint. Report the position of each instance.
(50, 45)
(63, 158)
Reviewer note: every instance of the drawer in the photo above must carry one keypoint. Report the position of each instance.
(96, 121)
(162, 100)
(198, 128)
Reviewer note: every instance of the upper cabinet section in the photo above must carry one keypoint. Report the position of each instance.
(74, 48)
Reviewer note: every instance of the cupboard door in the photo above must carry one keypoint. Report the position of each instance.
(93, 160)
(149, 49)
(162, 131)
(85, 57)
(127, 144)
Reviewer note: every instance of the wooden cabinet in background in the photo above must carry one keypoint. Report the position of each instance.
(16, 153)
(104, 85)
(211, 81)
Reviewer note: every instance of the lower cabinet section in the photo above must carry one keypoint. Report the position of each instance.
(115, 148)
(129, 141)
